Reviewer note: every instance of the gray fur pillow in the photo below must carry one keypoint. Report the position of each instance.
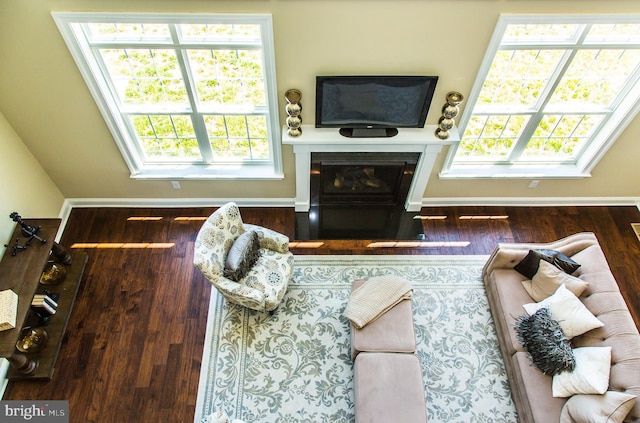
(242, 256)
(546, 343)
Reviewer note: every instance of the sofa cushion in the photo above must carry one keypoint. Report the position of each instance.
(506, 296)
(591, 375)
(548, 347)
(547, 280)
(610, 407)
(533, 390)
(592, 259)
(242, 256)
(574, 318)
(529, 265)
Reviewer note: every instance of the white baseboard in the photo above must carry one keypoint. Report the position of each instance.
(531, 201)
(177, 202)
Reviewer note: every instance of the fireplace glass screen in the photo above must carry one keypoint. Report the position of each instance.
(361, 178)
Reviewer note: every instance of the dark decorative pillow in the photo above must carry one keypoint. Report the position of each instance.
(546, 343)
(242, 255)
(529, 265)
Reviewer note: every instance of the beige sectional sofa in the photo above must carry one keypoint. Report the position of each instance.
(531, 389)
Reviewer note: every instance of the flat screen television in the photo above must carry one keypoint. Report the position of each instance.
(373, 106)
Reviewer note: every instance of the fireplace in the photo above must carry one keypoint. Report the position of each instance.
(375, 179)
(360, 195)
(362, 188)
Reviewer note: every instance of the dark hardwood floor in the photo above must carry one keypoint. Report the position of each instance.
(133, 347)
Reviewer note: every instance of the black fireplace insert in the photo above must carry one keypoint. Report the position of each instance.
(360, 196)
(379, 179)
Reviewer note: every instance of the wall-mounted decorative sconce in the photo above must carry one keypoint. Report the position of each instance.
(293, 109)
(449, 111)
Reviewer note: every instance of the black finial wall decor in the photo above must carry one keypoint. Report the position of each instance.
(28, 231)
(16, 247)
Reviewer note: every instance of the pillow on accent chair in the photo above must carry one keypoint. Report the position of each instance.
(591, 375)
(242, 255)
(529, 265)
(574, 318)
(548, 347)
(547, 280)
(611, 407)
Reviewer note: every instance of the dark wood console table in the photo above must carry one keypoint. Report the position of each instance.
(21, 273)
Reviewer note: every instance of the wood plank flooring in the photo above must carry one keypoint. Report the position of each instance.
(133, 348)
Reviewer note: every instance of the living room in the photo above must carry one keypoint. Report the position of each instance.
(59, 154)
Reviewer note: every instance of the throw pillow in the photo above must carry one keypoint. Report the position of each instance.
(547, 280)
(574, 318)
(611, 407)
(242, 255)
(591, 375)
(543, 339)
(529, 265)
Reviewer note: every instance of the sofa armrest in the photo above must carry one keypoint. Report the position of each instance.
(270, 239)
(507, 255)
(241, 293)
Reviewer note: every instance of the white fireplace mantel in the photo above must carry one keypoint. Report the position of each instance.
(420, 140)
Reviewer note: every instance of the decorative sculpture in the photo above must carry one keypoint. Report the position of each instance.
(449, 111)
(16, 247)
(29, 231)
(293, 109)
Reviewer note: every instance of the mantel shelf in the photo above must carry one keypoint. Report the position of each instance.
(406, 136)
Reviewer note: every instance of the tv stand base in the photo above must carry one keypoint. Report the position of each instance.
(368, 132)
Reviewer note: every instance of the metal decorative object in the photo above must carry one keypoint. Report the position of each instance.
(53, 273)
(449, 111)
(29, 231)
(16, 247)
(32, 340)
(293, 109)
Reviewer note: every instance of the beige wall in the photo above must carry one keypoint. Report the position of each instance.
(26, 188)
(48, 104)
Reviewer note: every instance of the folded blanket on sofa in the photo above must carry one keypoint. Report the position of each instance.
(375, 297)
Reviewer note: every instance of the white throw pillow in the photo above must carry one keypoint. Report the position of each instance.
(591, 375)
(612, 407)
(574, 318)
(547, 280)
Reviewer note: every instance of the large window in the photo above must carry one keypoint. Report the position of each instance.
(552, 95)
(185, 96)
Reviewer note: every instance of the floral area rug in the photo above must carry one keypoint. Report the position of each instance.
(294, 365)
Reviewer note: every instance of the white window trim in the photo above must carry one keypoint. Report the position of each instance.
(589, 158)
(272, 169)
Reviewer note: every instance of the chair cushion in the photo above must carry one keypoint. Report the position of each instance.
(242, 256)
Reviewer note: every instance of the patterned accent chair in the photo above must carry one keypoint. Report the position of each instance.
(265, 284)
